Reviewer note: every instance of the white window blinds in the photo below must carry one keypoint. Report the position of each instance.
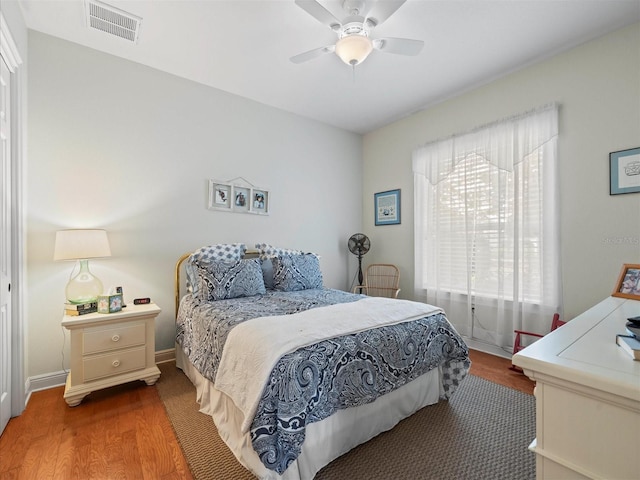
(486, 226)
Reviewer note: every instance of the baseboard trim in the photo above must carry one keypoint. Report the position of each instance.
(168, 355)
(45, 381)
(56, 379)
(486, 347)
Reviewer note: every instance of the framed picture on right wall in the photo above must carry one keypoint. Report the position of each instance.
(624, 171)
(387, 207)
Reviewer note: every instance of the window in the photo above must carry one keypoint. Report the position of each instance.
(486, 226)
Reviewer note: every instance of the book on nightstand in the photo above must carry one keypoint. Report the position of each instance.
(74, 313)
(74, 309)
(80, 306)
(629, 344)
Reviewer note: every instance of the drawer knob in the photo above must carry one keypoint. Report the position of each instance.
(116, 363)
(115, 337)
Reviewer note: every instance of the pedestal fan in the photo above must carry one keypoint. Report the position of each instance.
(359, 244)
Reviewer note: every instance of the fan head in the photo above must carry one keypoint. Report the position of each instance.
(354, 43)
(359, 244)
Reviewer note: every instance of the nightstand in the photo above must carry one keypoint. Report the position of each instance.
(109, 349)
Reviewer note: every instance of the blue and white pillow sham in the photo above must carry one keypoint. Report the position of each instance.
(266, 253)
(224, 280)
(221, 252)
(292, 273)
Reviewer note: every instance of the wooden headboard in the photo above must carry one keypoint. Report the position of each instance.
(249, 253)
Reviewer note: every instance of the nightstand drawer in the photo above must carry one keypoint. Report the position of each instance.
(113, 364)
(112, 337)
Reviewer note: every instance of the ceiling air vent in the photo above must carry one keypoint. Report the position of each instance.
(112, 20)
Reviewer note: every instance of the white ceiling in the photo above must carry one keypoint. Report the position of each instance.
(243, 47)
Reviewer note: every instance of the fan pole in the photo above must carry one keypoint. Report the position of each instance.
(360, 276)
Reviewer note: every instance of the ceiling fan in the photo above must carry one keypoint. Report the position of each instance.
(354, 44)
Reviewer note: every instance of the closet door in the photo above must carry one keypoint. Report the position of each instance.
(5, 245)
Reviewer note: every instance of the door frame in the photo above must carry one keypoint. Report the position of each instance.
(11, 56)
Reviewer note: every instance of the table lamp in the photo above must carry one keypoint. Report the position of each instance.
(82, 245)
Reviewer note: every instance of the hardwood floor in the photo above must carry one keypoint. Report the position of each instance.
(496, 369)
(124, 433)
(118, 433)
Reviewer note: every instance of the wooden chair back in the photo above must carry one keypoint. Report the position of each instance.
(381, 280)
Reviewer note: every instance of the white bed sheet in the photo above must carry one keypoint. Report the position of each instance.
(325, 440)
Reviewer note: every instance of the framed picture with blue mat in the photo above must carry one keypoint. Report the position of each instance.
(387, 207)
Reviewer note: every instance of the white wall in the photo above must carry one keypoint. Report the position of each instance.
(598, 88)
(120, 146)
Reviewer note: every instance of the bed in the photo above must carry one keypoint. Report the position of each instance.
(295, 374)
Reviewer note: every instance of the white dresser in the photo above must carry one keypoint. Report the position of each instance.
(587, 397)
(110, 349)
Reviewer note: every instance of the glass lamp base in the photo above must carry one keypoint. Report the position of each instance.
(84, 287)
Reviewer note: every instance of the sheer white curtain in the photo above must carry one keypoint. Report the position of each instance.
(486, 227)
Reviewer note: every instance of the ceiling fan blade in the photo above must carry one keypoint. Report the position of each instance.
(311, 54)
(402, 46)
(317, 11)
(382, 10)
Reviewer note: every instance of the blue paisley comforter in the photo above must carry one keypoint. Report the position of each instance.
(312, 382)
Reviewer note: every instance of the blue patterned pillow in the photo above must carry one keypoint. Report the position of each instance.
(296, 272)
(267, 252)
(222, 280)
(221, 252)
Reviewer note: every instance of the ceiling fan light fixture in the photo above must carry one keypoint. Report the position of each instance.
(354, 49)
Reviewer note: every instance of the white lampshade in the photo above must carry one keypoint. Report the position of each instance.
(82, 245)
(353, 49)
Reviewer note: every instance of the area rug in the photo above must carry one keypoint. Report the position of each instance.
(482, 433)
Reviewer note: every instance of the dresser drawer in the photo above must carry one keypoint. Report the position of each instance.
(112, 364)
(112, 337)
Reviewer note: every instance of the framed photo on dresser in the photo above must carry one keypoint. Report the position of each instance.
(628, 285)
